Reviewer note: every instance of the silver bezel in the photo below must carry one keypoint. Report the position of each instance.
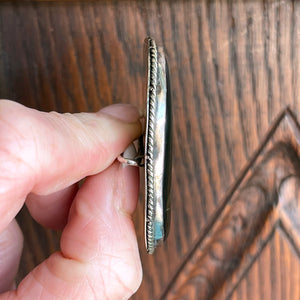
(155, 145)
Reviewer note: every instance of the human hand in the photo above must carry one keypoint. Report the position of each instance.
(42, 156)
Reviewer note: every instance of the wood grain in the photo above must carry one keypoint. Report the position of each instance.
(216, 258)
(277, 268)
(222, 249)
(234, 67)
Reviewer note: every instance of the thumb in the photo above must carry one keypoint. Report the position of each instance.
(46, 152)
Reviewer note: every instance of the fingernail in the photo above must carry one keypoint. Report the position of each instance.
(124, 112)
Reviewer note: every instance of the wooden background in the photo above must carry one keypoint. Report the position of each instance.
(234, 67)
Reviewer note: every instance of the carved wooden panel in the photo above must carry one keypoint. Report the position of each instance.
(235, 68)
(262, 213)
(274, 274)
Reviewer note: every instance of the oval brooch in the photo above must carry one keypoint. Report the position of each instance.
(155, 148)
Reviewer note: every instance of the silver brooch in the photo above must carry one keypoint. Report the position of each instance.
(154, 150)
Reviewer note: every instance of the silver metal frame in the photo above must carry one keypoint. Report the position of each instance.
(155, 157)
(155, 146)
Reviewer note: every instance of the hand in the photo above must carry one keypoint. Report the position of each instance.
(42, 156)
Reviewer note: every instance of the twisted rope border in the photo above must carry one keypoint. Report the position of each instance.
(151, 103)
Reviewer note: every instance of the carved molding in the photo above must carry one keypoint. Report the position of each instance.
(238, 232)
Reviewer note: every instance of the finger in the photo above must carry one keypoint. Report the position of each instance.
(99, 257)
(11, 244)
(46, 152)
(52, 210)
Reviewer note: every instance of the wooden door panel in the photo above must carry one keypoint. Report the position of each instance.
(260, 215)
(235, 67)
(274, 275)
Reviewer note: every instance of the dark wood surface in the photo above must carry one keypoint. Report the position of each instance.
(234, 67)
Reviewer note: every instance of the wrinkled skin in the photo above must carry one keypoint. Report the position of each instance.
(42, 157)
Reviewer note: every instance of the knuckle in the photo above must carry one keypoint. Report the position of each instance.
(83, 130)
